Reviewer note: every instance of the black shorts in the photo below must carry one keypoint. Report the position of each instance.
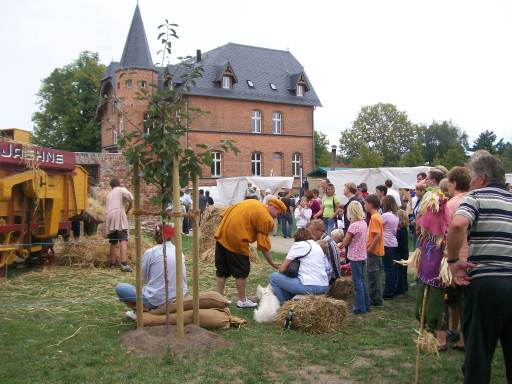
(229, 263)
(116, 236)
(455, 296)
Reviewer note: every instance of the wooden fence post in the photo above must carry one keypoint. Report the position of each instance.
(195, 251)
(176, 208)
(138, 244)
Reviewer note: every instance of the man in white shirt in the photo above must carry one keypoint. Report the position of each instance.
(392, 192)
(152, 272)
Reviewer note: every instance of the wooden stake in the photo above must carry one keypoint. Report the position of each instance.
(195, 251)
(422, 327)
(180, 326)
(138, 245)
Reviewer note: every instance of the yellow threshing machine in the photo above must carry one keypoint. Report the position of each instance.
(40, 190)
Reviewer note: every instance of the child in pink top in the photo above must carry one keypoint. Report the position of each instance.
(355, 239)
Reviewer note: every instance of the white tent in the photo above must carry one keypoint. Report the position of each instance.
(231, 190)
(402, 177)
(508, 177)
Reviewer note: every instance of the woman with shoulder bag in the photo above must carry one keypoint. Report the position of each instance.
(330, 209)
(311, 276)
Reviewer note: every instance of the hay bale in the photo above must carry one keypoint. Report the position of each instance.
(314, 314)
(92, 251)
(341, 289)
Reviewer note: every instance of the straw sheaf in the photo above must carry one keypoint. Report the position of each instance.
(341, 289)
(209, 255)
(92, 251)
(314, 314)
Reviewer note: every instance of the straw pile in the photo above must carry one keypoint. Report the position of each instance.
(210, 220)
(93, 251)
(314, 314)
(341, 289)
(427, 342)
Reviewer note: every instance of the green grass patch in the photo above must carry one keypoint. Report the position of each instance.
(40, 311)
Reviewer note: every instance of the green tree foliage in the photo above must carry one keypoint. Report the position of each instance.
(486, 140)
(368, 158)
(67, 106)
(383, 129)
(439, 137)
(454, 157)
(322, 154)
(414, 157)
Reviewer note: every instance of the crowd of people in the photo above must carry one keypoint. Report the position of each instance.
(461, 217)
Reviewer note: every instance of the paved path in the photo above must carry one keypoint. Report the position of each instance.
(280, 244)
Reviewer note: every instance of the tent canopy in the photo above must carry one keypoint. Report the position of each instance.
(402, 177)
(231, 190)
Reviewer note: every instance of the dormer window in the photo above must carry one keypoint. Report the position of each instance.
(250, 84)
(226, 82)
(300, 90)
(273, 86)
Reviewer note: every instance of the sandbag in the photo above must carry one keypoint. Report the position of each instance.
(207, 300)
(213, 318)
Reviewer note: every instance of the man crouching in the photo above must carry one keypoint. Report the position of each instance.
(152, 274)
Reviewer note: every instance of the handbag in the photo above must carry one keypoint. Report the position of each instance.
(293, 267)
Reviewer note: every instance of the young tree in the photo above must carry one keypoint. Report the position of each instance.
(322, 154)
(381, 128)
(67, 106)
(486, 140)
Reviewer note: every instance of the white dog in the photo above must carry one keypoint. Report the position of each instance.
(268, 306)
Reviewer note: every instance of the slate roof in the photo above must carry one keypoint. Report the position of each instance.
(136, 53)
(262, 66)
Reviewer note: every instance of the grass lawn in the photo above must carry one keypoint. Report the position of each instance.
(40, 311)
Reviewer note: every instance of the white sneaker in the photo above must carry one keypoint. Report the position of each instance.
(248, 303)
(131, 315)
(126, 268)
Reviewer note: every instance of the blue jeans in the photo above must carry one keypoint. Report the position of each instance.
(390, 272)
(286, 224)
(362, 301)
(329, 224)
(286, 287)
(127, 294)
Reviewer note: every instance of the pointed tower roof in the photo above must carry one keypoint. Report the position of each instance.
(136, 52)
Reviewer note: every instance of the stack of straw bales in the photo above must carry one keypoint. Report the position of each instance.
(314, 314)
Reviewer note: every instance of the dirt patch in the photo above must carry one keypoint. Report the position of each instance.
(153, 341)
(312, 374)
(361, 362)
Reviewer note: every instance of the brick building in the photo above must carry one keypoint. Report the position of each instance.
(260, 98)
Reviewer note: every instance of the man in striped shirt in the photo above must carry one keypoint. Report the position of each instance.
(486, 214)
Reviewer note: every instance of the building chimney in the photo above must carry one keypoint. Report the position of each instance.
(333, 157)
(198, 55)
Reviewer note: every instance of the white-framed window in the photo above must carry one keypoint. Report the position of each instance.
(296, 159)
(300, 90)
(226, 82)
(142, 84)
(114, 136)
(216, 164)
(128, 83)
(256, 164)
(121, 124)
(146, 124)
(256, 121)
(276, 123)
